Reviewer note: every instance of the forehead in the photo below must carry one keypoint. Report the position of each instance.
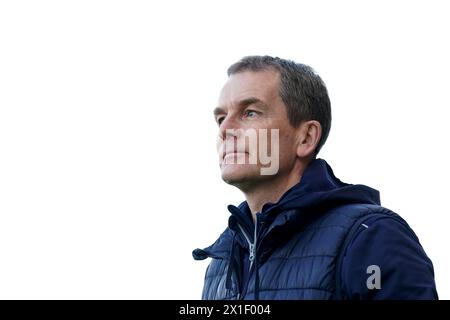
(263, 85)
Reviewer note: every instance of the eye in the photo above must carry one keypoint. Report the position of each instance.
(250, 113)
(219, 120)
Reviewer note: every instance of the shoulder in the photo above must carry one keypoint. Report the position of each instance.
(355, 211)
(350, 216)
(384, 248)
(219, 249)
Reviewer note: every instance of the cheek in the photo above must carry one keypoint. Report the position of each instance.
(287, 146)
(282, 140)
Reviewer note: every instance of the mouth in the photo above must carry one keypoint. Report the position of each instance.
(234, 153)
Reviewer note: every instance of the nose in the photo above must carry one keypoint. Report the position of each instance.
(228, 127)
(228, 135)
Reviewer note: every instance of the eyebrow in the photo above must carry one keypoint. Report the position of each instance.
(243, 103)
(218, 111)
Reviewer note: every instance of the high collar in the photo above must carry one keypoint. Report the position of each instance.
(317, 191)
(318, 187)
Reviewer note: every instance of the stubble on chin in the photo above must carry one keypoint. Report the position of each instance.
(243, 177)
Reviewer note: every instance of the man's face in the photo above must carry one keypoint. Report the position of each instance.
(250, 107)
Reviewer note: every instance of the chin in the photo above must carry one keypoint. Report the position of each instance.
(239, 174)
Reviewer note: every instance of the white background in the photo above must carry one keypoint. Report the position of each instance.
(108, 172)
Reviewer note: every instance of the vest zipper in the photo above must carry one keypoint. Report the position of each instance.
(251, 245)
(251, 256)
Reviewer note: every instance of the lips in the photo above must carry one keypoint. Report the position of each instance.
(233, 153)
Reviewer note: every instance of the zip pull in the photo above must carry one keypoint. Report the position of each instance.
(252, 252)
(251, 246)
(251, 255)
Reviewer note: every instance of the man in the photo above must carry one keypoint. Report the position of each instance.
(301, 233)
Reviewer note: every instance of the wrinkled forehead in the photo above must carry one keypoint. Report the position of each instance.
(263, 85)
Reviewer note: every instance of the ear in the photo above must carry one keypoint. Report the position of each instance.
(309, 133)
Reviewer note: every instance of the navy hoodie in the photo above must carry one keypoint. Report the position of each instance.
(388, 243)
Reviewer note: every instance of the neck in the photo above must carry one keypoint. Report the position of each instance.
(272, 190)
